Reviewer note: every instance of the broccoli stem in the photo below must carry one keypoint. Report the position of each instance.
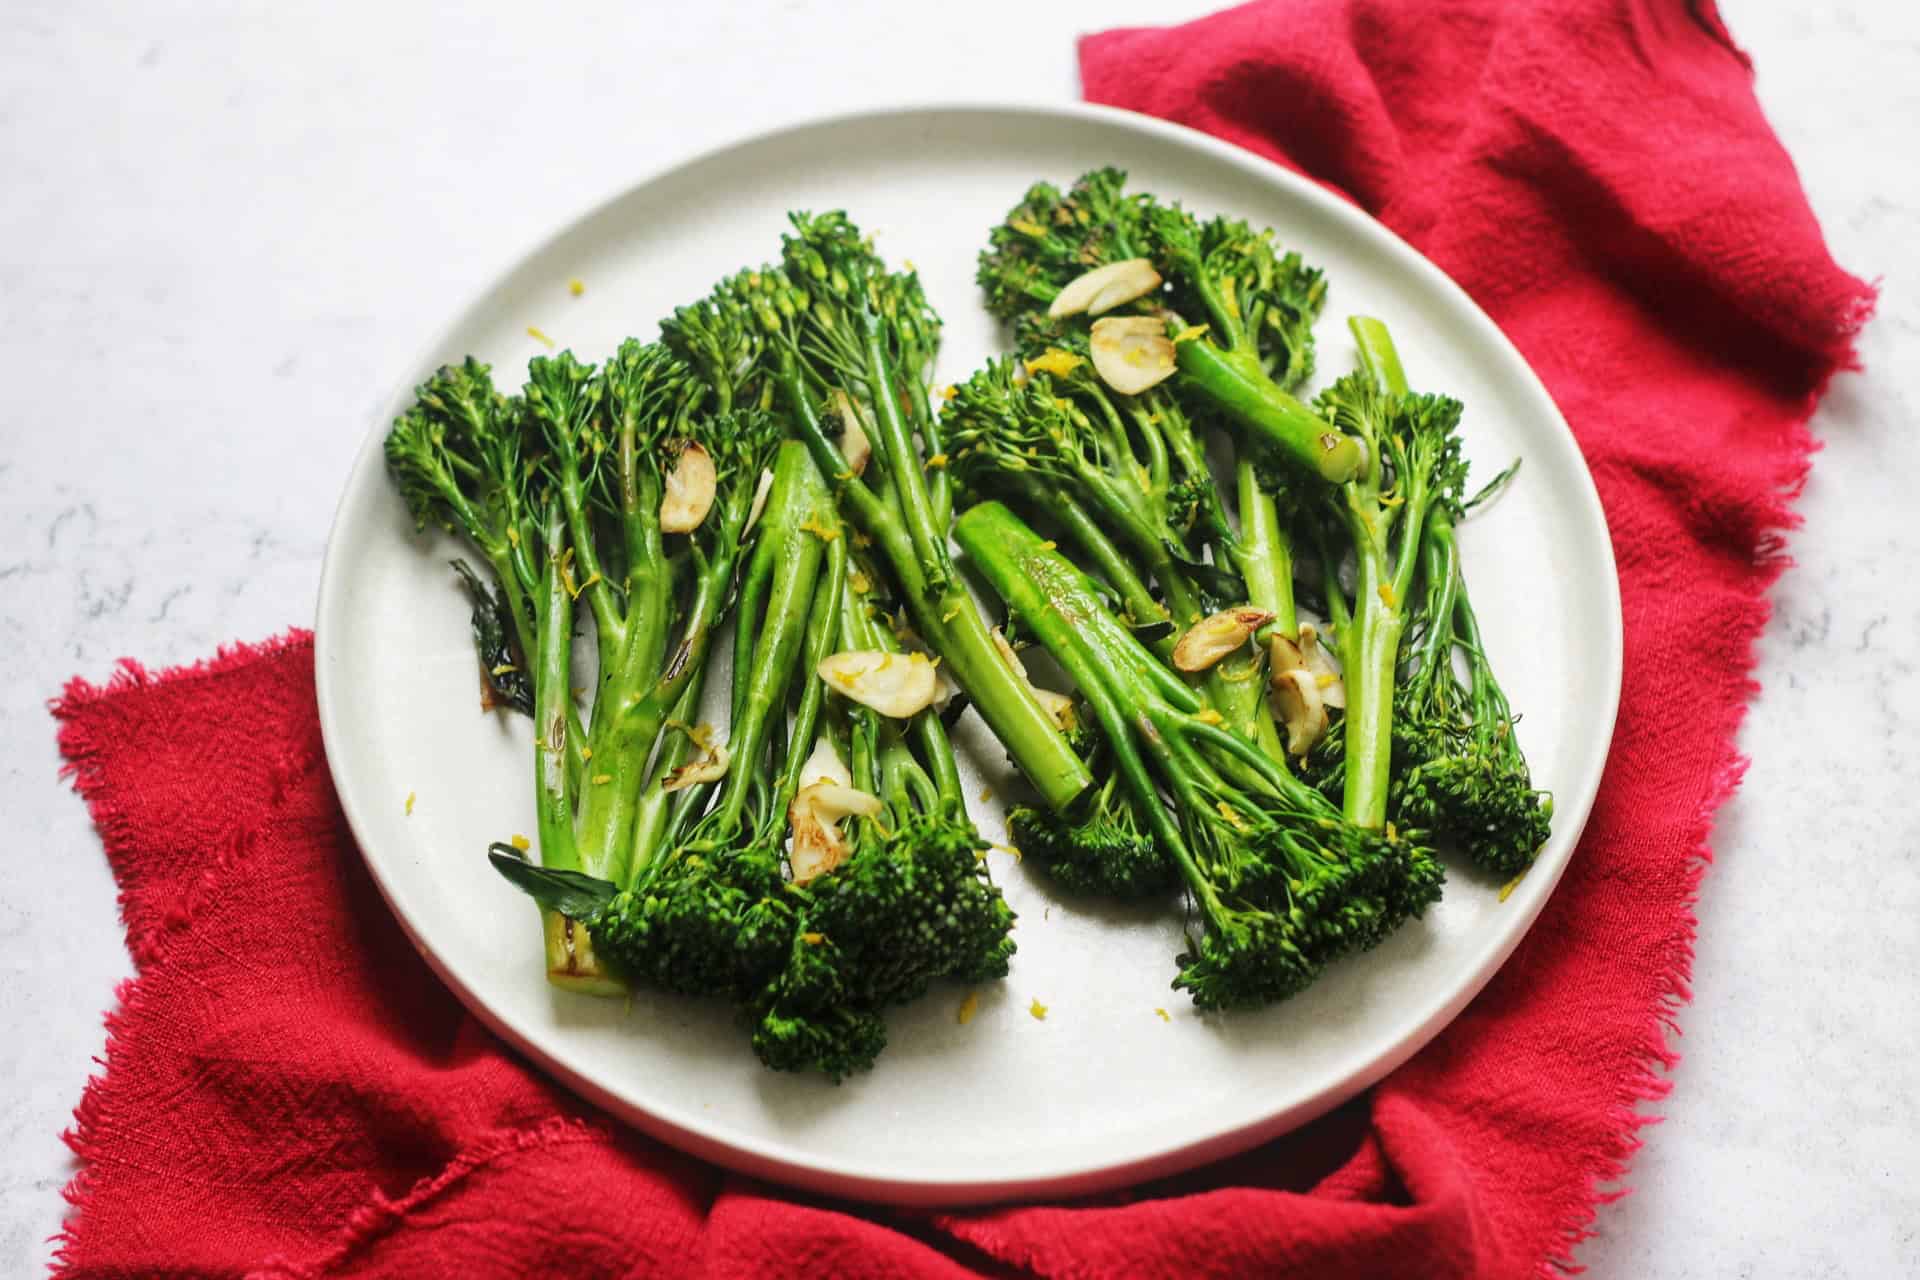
(1378, 355)
(1142, 606)
(1234, 382)
(1370, 641)
(946, 617)
(569, 950)
(1440, 572)
(1171, 424)
(794, 511)
(1266, 557)
(653, 825)
(1371, 653)
(901, 453)
(823, 629)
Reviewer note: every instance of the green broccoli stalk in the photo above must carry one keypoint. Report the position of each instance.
(1413, 465)
(1459, 772)
(562, 491)
(705, 909)
(613, 440)
(844, 332)
(910, 903)
(1281, 883)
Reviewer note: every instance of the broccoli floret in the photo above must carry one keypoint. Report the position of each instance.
(1107, 852)
(1460, 772)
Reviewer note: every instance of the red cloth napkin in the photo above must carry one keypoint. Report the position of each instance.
(288, 1092)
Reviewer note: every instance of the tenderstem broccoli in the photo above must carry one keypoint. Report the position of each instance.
(850, 349)
(1280, 881)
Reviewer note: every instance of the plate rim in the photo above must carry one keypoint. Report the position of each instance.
(781, 1162)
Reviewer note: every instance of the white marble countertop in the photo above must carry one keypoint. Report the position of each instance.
(225, 230)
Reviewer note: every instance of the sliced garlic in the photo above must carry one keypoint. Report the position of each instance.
(708, 767)
(1057, 705)
(1297, 701)
(894, 684)
(817, 847)
(1333, 690)
(690, 489)
(945, 688)
(1213, 638)
(832, 801)
(1007, 651)
(854, 445)
(760, 492)
(825, 765)
(1284, 655)
(1131, 353)
(1104, 288)
(814, 817)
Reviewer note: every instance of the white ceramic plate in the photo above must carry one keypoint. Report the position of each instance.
(1104, 1090)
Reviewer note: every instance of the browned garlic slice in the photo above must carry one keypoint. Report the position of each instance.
(1007, 652)
(1284, 655)
(760, 492)
(1104, 288)
(1213, 638)
(709, 766)
(1333, 689)
(1297, 701)
(817, 847)
(894, 684)
(814, 817)
(832, 801)
(1131, 353)
(1057, 705)
(690, 489)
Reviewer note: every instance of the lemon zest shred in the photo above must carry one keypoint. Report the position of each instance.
(1038, 1010)
(1163, 1015)
(539, 337)
(576, 286)
(410, 799)
(1054, 361)
(818, 530)
(968, 1008)
(521, 843)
